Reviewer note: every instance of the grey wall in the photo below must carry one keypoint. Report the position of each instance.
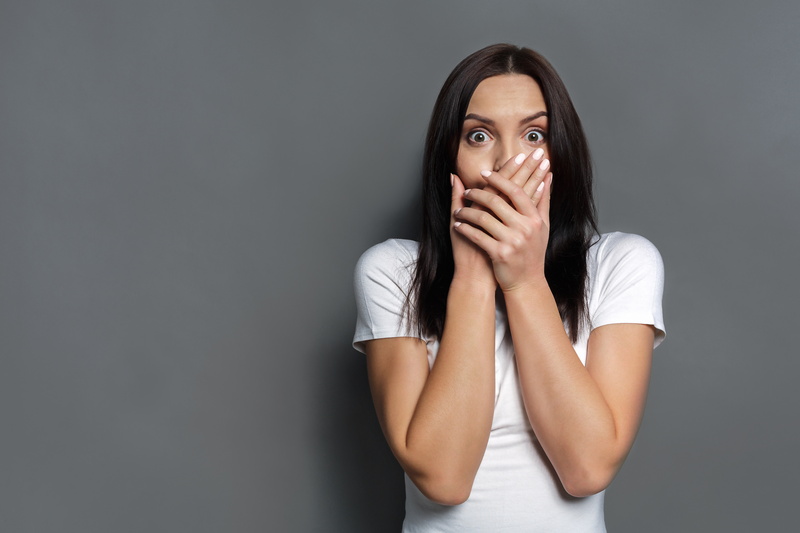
(185, 187)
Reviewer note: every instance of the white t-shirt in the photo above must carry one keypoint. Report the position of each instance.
(516, 488)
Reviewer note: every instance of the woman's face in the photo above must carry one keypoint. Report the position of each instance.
(505, 117)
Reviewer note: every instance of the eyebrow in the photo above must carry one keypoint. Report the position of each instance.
(490, 122)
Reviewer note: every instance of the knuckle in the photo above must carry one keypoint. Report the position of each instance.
(495, 202)
(515, 189)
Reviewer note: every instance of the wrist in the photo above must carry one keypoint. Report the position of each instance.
(473, 283)
(530, 286)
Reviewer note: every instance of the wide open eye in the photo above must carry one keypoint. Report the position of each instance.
(535, 136)
(477, 137)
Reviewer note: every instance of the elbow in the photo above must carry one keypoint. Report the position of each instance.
(583, 488)
(587, 482)
(443, 478)
(444, 490)
(445, 495)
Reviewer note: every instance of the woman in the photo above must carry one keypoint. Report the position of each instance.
(509, 351)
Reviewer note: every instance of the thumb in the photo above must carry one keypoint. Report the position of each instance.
(457, 194)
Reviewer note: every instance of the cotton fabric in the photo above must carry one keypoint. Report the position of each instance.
(516, 488)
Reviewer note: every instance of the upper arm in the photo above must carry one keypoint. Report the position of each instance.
(397, 369)
(619, 358)
(629, 284)
(628, 325)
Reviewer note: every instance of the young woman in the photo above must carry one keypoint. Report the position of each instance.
(509, 350)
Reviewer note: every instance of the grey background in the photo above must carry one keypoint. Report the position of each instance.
(185, 187)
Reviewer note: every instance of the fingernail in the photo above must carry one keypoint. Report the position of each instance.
(467, 192)
(538, 189)
(452, 180)
(455, 213)
(457, 224)
(486, 173)
(519, 159)
(544, 164)
(537, 155)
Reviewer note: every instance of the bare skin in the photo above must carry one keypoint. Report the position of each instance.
(437, 421)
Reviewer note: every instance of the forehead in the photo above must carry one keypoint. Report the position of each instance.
(515, 94)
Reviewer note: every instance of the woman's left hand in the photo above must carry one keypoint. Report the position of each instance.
(513, 232)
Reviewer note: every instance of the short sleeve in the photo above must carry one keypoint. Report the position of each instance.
(382, 280)
(629, 283)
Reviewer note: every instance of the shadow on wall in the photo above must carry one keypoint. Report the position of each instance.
(362, 483)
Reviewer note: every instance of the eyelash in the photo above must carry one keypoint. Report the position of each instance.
(540, 132)
(475, 132)
(534, 130)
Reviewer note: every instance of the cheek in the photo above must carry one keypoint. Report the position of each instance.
(468, 168)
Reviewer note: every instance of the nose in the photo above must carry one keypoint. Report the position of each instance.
(505, 151)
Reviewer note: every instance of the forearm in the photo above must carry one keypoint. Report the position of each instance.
(585, 417)
(566, 408)
(450, 427)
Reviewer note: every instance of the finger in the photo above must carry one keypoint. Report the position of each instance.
(457, 193)
(491, 201)
(512, 166)
(484, 220)
(539, 192)
(528, 167)
(544, 203)
(525, 171)
(478, 237)
(519, 198)
(487, 188)
(537, 177)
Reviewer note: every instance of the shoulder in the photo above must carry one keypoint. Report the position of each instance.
(390, 251)
(624, 250)
(626, 282)
(390, 263)
(383, 277)
(388, 255)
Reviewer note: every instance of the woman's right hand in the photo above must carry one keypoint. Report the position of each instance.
(471, 263)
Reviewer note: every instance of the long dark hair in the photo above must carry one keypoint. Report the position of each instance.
(572, 213)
